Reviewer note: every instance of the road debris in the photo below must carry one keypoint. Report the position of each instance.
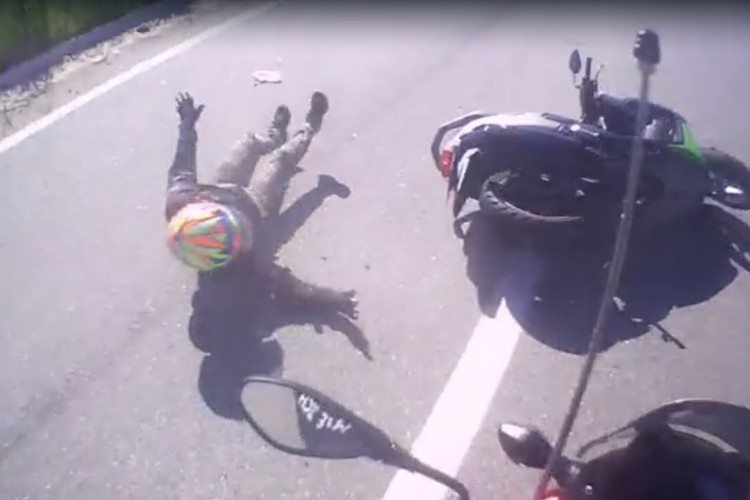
(266, 76)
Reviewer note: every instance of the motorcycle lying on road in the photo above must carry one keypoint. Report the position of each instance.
(546, 170)
(678, 450)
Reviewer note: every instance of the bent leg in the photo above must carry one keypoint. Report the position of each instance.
(238, 168)
(269, 185)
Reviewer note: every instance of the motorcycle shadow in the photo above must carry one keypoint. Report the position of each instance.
(554, 293)
(234, 317)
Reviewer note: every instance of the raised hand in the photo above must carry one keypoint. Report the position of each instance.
(187, 109)
(348, 304)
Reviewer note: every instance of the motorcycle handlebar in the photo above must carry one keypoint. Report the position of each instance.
(588, 68)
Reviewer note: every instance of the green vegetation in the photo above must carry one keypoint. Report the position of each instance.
(29, 27)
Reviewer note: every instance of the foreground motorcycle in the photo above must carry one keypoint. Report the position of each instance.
(690, 449)
(683, 449)
(547, 170)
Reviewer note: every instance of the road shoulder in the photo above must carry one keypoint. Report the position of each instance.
(26, 103)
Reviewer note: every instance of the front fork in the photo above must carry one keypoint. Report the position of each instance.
(589, 105)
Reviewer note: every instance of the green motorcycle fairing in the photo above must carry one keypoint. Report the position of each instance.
(686, 144)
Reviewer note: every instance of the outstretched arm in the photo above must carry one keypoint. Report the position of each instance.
(294, 291)
(183, 169)
(182, 178)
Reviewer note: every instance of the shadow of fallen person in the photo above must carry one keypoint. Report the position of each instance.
(235, 314)
(283, 228)
(236, 352)
(685, 264)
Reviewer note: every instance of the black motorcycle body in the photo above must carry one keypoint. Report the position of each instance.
(545, 168)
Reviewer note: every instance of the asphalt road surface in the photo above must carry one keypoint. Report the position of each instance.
(103, 395)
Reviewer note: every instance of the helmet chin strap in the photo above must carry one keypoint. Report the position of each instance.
(647, 52)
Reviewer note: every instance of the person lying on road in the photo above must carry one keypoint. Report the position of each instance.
(220, 229)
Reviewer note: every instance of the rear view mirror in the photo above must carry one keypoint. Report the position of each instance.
(295, 421)
(299, 420)
(574, 63)
(524, 445)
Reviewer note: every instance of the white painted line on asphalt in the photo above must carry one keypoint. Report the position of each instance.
(143, 66)
(460, 410)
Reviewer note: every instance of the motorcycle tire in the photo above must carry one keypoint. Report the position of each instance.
(729, 172)
(496, 200)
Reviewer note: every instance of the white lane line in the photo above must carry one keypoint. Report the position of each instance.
(143, 66)
(460, 410)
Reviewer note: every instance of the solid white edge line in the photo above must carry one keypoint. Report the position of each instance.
(462, 406)
(143, 66)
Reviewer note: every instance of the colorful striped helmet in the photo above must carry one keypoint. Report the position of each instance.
(206, 235)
